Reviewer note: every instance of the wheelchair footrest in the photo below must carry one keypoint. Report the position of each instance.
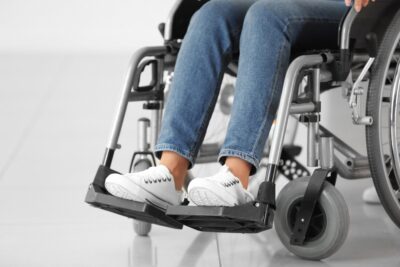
(248, 218)
(98, 197)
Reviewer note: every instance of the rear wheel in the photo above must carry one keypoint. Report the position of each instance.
(383, 137)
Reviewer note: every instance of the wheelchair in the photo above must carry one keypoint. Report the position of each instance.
(310, 215)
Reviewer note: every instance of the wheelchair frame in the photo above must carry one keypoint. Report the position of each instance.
(322, 145)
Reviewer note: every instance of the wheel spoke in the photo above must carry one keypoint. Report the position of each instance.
(393, 180)
(388, 161)
(319, 215)
(297, 209)
(314, 229)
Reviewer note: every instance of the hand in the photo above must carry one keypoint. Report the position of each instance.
(358, 4)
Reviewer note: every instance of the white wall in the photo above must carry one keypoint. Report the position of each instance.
(116, 26)
(80, 25)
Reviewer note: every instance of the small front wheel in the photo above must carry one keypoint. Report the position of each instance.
(141, 228)
(329, 224)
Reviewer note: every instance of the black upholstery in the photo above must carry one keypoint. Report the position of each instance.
(374, 18)
(182, 17)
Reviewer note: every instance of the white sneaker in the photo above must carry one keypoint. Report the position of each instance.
(221, 189)
(370, 196)
(154, 185)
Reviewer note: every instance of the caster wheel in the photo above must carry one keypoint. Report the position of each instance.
(141, 228)
(329, 223)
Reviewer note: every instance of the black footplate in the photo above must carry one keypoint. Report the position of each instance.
(98, 197)
(248, 218)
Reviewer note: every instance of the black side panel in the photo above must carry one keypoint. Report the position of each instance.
(101, 175)
(374, 18)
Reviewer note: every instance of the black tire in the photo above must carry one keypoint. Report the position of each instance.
(141, 228)
(329, 224)
(379, 156)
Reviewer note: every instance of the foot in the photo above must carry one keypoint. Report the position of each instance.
(221, 189)
(154, 186)
(370, 196)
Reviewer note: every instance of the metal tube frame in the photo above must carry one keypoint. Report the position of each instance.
(312, 144)
(123, 102)
(300, 63)
(313, 127)
(302, 108)
(346, 29)
(326, 152)
(285, 109)
(143, 125)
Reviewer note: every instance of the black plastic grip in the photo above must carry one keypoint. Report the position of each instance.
(101, 175)
(372, 44)
(266, 194)
(153, 63)
(342, 65)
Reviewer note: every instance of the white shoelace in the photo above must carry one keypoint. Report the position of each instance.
(158, 174)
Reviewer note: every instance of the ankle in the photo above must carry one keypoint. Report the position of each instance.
(178, 174)
(177, 166)
(179, 178)
(244, 180)
(239, 168)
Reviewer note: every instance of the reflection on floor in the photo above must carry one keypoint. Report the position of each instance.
(55, 115)
(373, 241)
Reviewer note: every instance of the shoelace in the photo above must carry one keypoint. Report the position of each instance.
(232, 180)
(151, 180)
(230, 183)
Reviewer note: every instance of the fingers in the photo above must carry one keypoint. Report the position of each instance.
(358, 4)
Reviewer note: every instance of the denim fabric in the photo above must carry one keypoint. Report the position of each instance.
(264, 33)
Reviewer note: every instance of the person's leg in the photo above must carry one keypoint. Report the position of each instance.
(212, 37)
(271, 28)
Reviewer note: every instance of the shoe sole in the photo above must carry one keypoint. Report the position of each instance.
(371, 198)
(202, 193)
(120, 186)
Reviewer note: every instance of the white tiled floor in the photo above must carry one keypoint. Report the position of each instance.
(55, 113)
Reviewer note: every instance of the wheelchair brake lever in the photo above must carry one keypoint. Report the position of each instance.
(356, 92)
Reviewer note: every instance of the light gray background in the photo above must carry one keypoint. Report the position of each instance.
(87, 26)
(62, 64)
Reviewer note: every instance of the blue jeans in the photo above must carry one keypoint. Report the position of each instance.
(265, 34)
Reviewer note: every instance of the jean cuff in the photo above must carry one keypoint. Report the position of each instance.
(226, 152)
(159, 148)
